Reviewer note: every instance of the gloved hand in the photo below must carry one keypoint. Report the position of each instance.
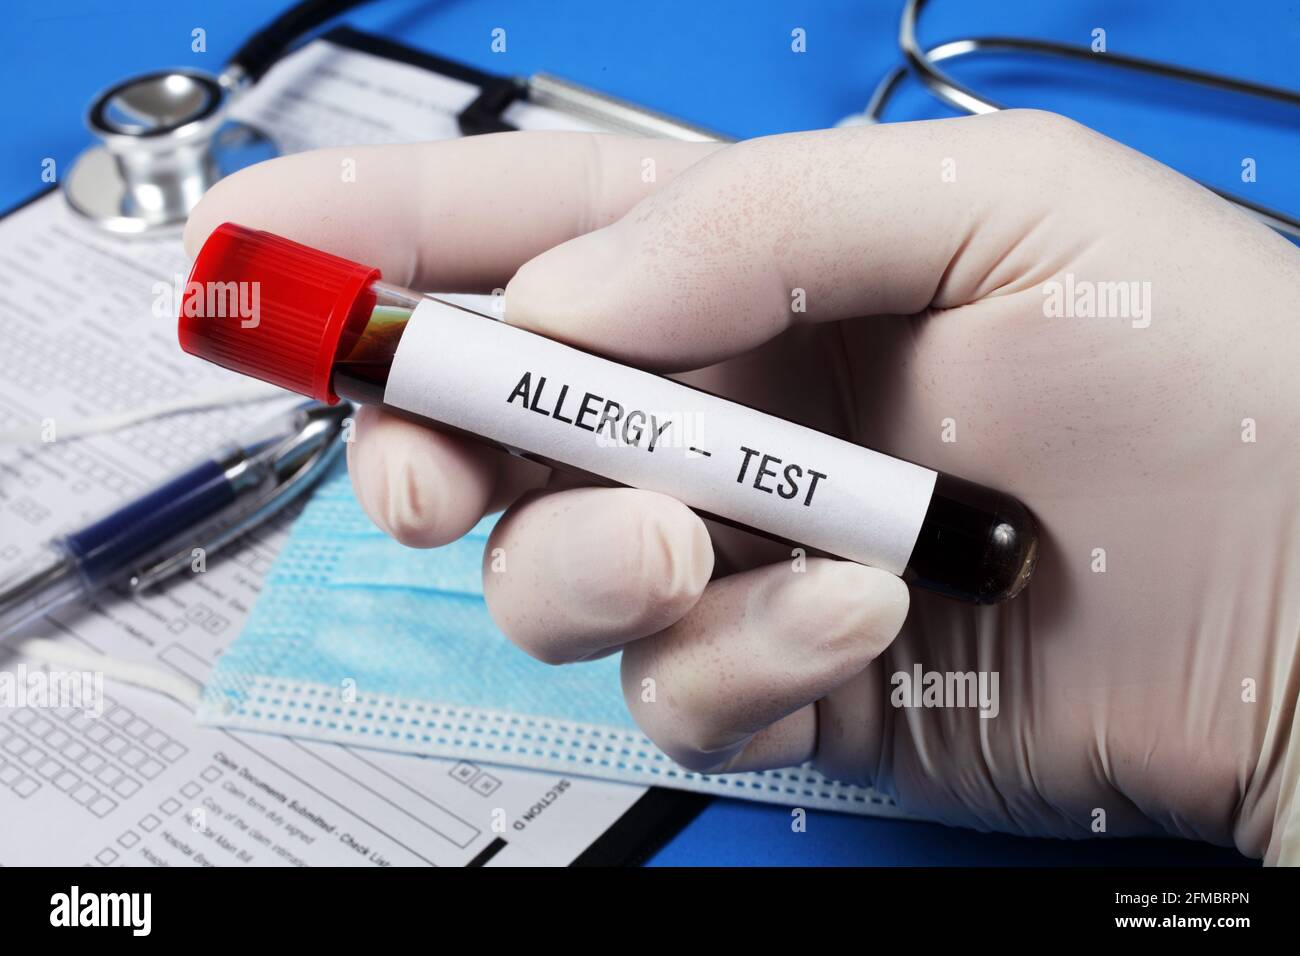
(890, 285)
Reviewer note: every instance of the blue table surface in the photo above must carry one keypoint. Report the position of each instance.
(728, 65)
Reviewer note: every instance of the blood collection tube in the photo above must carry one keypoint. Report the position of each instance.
(327, 328)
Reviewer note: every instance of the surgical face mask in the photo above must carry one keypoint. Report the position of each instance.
(359, 640)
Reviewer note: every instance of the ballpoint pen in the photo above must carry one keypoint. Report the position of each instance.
(205, 507)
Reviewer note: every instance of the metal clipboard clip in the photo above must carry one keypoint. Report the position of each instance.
(486, 114)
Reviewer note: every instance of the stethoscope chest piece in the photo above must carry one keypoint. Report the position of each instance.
(165, 141)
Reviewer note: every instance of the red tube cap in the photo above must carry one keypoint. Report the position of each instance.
(270, 308)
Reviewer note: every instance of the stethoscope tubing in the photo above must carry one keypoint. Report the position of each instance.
(921, 62)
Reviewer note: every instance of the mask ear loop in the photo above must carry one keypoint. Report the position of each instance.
(180, 688)
(242, 393)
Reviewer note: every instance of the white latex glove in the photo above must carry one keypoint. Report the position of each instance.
(922, 251)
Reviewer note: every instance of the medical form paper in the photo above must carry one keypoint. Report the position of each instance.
(137, 782)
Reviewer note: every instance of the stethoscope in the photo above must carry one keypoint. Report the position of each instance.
(167, 136)
(921, 62)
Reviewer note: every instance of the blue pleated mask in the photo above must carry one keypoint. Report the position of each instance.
(357, 639)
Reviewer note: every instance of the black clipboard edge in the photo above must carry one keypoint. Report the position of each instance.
(483, 115)
(658, 816)
(379, 46)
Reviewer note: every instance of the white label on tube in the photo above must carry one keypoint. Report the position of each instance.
(547, 399)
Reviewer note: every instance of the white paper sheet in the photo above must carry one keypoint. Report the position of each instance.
(142, 784)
